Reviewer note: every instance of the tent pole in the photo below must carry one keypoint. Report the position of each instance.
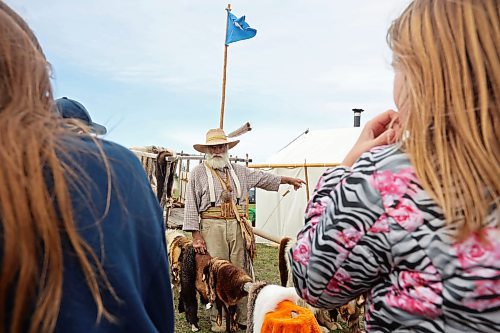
(292, 165)
(307, 182)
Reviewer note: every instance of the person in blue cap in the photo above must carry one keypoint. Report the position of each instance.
(71, 109)
(82, 237)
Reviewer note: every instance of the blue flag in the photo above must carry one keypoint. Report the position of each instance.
(238, 29)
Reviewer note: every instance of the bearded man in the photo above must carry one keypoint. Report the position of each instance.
(215, 207)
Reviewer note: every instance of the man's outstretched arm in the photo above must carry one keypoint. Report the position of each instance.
(296, 182)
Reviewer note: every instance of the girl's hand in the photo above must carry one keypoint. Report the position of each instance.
(381, 130)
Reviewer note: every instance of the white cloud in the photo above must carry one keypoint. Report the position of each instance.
(310, 63)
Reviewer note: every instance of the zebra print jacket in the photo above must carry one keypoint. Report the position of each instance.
(373, 229)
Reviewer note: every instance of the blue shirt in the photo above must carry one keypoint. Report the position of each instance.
(131, 245)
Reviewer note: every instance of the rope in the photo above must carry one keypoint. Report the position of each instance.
(279, 202)
(276, 207)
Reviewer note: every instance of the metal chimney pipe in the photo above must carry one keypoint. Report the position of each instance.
(357, 116)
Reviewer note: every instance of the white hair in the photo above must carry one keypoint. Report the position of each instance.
(217, 161)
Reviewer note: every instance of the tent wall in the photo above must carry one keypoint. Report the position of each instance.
(284, 215)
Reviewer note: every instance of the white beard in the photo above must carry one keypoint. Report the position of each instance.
(218, 161)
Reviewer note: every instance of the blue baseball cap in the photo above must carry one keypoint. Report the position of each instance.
(69, 108)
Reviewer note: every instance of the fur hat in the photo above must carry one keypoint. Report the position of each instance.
(215, 137)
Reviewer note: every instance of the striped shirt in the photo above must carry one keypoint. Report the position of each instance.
(374, 229)
(198, 193)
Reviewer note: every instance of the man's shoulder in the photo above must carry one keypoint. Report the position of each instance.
(238, 167)
(199, 167)
(198, 170)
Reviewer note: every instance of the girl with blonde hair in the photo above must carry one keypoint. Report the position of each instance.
(82, 241)
(415, 223)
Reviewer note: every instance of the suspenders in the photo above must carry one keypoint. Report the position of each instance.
(237, 183)
(211, 186)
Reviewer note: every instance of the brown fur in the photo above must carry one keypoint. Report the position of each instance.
(188, 302)
(191, 281)
(164, 173)
(351, 313)
(186, 268)
(202, 261)
(176, 244)
(252, 297)
(282, 261)
(225, 287)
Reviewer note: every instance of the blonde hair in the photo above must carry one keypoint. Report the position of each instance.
(448, 52)
(35, 219)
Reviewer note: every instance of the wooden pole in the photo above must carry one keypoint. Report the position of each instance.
(221, 125)
(292, 165)
(265, 235)
(307, 181)
(181, 199)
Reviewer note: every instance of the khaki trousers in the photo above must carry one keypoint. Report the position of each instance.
(224, 240)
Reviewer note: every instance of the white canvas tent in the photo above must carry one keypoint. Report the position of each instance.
(282, 213)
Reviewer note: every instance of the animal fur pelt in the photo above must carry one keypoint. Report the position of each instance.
(149, 149)
(349, 312)
(178, 246)
(264, 298)
(252, 296)
(240, 131)
(193, 265)
(164, 173)
(149, 163)
(171, 234)
(202, 261)
(187, 296)
(177, 242)
(225, 285)
(283, 261)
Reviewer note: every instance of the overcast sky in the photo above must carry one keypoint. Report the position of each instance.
(151, 70)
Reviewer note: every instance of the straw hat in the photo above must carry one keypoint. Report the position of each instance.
(215, 137)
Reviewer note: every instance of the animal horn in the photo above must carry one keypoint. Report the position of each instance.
(240, 131)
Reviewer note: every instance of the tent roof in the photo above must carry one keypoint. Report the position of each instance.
(318, 146)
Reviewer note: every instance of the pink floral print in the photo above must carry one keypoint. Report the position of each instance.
(315, 209)
(406, 215)
(392, 186)
(381, 225)
(418, 292)
(349, 237)
(301, 252)
(473, 252)
(485, 295)
(338, 281)
(481, 258)
(420, 301)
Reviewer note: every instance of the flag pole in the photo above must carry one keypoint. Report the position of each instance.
(221, 125)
